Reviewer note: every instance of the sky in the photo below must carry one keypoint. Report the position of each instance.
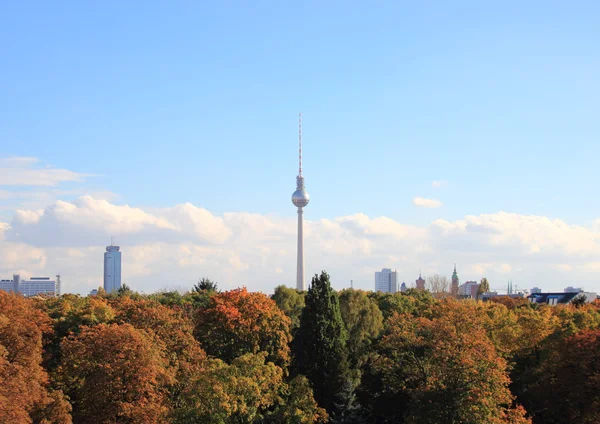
(435, 133)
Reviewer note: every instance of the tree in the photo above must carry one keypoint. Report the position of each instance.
(204, 284)
(114, 374)
(363, 322)
(443, 369)
(241, 392)
(484, 287)
(291, 302)
(124, 290)
(568, 385)
(299, 405)
(579, 300)
(25, 396)
(320, 343)
(237, 322)
(186, 359)
(69, 314)
(438, 286)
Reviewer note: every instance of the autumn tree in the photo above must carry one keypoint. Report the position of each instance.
(299, 405)
(320, 343)
(115, 374)
(412, 301)
(291, 302)
(568, 386)
(237, 322)
(363, 322)
(444, 369)
(69, 314)
(241, 392)
(25, 396)
(185, 357)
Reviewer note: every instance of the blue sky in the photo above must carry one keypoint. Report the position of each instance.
(173, 102)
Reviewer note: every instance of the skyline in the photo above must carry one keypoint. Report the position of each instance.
(463, 133)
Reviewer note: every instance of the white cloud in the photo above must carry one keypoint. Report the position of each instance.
(438, 183)
(176, 246)
(23, 171)
(426, 203)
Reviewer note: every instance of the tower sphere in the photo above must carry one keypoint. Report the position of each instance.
(300, 198)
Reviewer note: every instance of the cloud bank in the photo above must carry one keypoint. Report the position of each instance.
(175, 246)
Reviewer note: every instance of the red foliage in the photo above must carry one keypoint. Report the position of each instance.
(238, 322)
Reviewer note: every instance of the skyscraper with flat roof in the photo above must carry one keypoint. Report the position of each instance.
(386, 281)
(112, 269)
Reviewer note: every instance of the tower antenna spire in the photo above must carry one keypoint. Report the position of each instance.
(300, 144)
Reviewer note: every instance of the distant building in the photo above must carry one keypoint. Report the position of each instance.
(420, 283)
(403, 287)
(573, 289)
(536, 290)
(455, 282)
(468, 289)
(112, 269)
(93, 292)
(385, 281)
(564, 298)
(32, 287)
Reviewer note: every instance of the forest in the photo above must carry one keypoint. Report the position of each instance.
(320, 356)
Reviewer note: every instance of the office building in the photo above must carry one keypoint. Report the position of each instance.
(536, 290)
(32, 287)
(573, 289)
(112, 269)
(403, 287)
(468, 289)
(385, 281)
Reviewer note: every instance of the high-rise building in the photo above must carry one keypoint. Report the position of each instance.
(455, 283)
(112, 269)
(403, 287)
(573, 289)
(32, 287)
(300, 199)
(536, 290)
(420, 283)
(469, 289)
(385, 281)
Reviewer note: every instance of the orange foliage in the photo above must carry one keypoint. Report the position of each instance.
(446, 369)
(509, 302)
(114, 374)
(238, 322)
(24, 383)
(568, 386)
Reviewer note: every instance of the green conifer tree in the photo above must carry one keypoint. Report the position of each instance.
(320, 343)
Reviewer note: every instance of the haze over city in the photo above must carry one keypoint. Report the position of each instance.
(463, 133)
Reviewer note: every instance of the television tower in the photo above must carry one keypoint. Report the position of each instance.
(300, 199)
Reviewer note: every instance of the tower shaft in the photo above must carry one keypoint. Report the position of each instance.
(300, 265)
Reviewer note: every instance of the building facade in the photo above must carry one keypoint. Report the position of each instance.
(32, 287)
(468, 289)
(112, 269)
(558, 298)
(386, 281)
(573, 289)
